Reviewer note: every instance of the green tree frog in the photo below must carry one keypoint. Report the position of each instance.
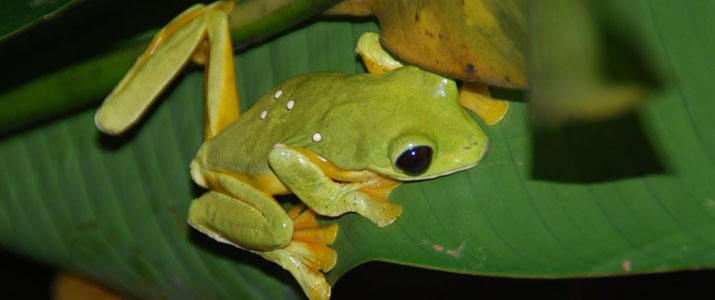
(339, 142)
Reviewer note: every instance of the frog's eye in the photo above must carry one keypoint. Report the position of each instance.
(412, 153)
(415, 160)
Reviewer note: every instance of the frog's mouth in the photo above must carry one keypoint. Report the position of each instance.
(430, 176)
(415, 178)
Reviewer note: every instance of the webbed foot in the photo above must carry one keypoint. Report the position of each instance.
(332, 191)
(378, 189)
(308, 253)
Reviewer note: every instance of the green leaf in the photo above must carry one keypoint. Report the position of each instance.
(98, 43)
(20, 15)
(632, 195)
(583, 66)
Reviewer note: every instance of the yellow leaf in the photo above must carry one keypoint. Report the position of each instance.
(471, 40)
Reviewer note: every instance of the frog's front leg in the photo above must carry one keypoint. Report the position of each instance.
(476, 97)
(332, 191)
(236, 213)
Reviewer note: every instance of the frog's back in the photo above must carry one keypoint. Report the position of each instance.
(289, 114)
(338, 116)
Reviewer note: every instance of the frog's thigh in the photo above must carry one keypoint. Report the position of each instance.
(310, 183)
(237, 213)
(241, 215)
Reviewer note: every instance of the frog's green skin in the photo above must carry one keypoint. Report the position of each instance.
(332, 139)
(359, 117)
(364, 123)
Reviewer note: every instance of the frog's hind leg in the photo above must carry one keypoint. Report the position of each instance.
(202, 33)
(241, 221)
(236, 213)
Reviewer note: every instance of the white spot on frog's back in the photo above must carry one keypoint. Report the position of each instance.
(264, 114)
(317, 137)
(278, 94)
(290, 104)
(442, 90)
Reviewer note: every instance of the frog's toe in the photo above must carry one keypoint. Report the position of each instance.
(475, 97)
(304, 261)
(379, 212)
(308, 255)
(389, 214)
(311, 240)
(379, 188)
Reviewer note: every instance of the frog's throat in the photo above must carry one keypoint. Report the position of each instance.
(410, 178)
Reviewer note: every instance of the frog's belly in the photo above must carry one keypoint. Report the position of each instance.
(265, 181)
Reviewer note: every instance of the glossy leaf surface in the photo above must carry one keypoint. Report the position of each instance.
(629, 196)
(19, 15)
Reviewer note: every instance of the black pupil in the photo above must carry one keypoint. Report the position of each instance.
(415, 161)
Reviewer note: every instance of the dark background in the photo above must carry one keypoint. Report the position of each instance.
(26, 279)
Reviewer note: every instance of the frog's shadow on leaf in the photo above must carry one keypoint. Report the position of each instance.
(90, 28)
(605, 151)
(245, 258)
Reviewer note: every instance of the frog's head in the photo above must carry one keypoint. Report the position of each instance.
(416, 156)
(428, 134)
